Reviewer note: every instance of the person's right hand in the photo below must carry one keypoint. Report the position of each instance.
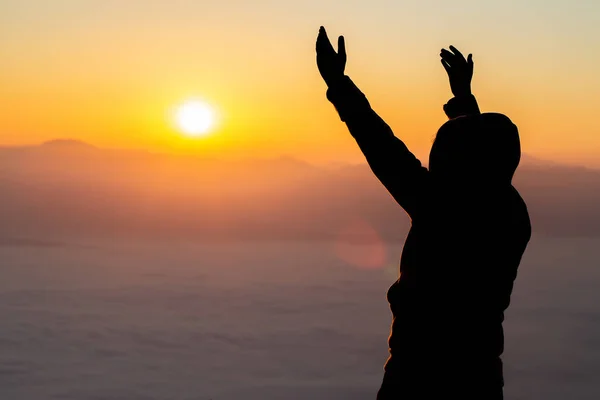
(460, 71)
(331, 63)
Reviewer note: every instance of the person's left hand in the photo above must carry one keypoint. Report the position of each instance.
(331, 64)
(460, 71)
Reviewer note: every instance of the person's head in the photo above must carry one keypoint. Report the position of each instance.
(477, 149)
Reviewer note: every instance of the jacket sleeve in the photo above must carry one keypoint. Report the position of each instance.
(461, 106)
(390, 160)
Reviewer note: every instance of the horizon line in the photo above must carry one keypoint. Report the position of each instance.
(68, 141)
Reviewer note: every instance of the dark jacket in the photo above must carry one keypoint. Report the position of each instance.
(469, 230)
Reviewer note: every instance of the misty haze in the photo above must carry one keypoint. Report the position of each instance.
(130, 275)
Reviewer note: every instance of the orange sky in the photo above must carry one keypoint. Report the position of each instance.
(109, 73)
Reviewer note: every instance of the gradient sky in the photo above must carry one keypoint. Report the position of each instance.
(109, 72)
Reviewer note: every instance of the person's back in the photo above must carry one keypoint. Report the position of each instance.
(466, 242)
(469, 230)
(448, 329)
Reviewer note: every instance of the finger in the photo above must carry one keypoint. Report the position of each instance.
(447, 53)
(470, 60)
(446, 66)
(342, 48)
(322, 32)
(321, 38)
(324, 44)
(449, 57)
(318, 43)
(458, 53)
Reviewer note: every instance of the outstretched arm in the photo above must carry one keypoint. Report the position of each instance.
(389, 158)
(460, 73)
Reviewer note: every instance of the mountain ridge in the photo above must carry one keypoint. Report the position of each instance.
(106, 192)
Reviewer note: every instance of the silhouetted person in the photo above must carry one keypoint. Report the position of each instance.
(469, 230)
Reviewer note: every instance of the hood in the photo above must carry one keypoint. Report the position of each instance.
(483, 148)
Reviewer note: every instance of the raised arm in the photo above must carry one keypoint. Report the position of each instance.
(460, 73)
(389, 158)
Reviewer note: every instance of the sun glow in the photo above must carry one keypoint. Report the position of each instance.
(195, 118)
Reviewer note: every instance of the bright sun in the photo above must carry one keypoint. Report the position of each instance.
(195, 118)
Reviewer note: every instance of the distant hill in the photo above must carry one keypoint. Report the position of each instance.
(67, 143)
(70, 188)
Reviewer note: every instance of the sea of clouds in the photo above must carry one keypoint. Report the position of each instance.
(96, 320)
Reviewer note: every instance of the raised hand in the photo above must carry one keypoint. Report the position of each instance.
(459, 69)
(331, 63)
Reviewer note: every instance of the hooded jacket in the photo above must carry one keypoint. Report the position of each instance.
(469, 230)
